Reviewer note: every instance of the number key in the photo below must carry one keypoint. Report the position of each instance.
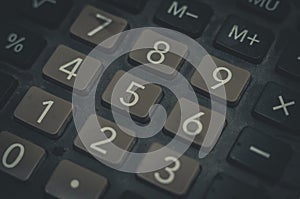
(133, 95)
(64, 64)
(176, 177)
(43, 111)
(109, 143)
(165, 51)
(94, 26)
(195, 124)
(19, 157)
(234, 80)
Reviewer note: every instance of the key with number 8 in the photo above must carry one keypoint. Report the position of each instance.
(163, 51)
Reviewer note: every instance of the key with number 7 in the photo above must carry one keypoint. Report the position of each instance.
(43, 111)
(94, 26)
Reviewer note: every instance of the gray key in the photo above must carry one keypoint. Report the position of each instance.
(139, 106)
(71, 181)
(94, 26)
(44, 111)
(203, 114)
(64, 64)
(159, 52)
(105, 151)
(235, 81)
(176, 177)
(19, 158)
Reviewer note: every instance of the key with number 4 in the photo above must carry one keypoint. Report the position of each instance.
(64, 64)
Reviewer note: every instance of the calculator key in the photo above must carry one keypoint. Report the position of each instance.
(280, 106)
(274, 9)
(7, 86)
(289, 61)
(161, 44)
(102, 142)
(43, 111)
(70, 180)
(258, 152)
(244, 39)
(177, 177)
(19, 46)
(94, 26)
(64, 65)
(189, 17)
(189, 129)
(132, 95)
(19, 158)
(47, 12)
(226, 187)
(234, 79)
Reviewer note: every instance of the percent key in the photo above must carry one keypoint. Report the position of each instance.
(20, 47)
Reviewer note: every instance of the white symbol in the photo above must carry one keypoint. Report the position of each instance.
(37, 3)
(260, 152)
(265, 4)
(48, 105)
(253, 39)
(107, 22)
(284, 105)
(242, 35)
(174, 10)
(298, 58)
(74, 184)
(15, 42)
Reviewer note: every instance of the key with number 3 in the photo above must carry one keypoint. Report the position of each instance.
(177, 177)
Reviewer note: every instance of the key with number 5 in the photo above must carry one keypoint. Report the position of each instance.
(43, 111)
(133, 95)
